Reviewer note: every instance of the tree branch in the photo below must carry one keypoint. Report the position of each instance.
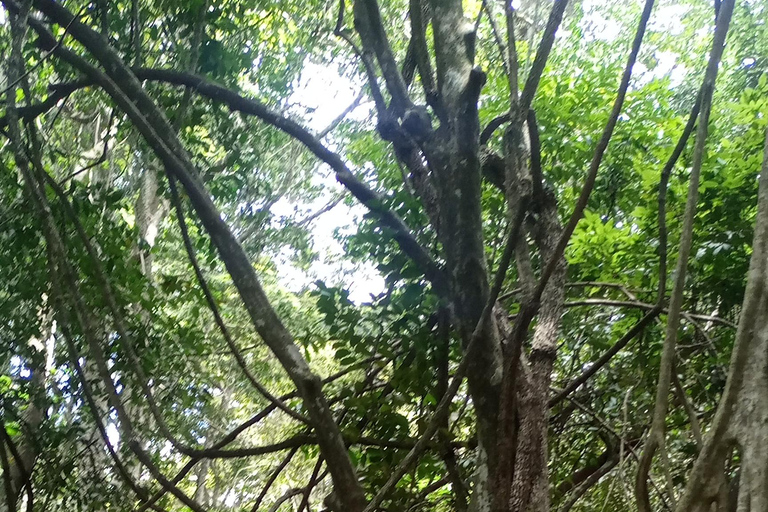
(359, 190)
(537, 68)
(656, 437)
(602, 145)
(158, 132)
(371, 29)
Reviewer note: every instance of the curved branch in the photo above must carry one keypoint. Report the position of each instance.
(362, 193)
(417, 12)
(235, 351)
(537, 68)
(290, 493)
(656, 437)
(663, 183)
(159, 134)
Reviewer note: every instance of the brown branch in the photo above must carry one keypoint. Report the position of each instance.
(606, 357)
(421, 52)
(340, 118)
(602, 146)
(580, 475)
(10, 494)
(279, 469)
(370, 72)
(693, 419)
(663, 184)
(485, 7)
(512, 59)
(369, 25)
(159, 134)
(656, 437)
(590, 481)
(313, 481)
(290, 493)
(537, 68)
(362, 193)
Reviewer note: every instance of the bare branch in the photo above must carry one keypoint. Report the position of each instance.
(656, 437)
(602, 145)
(280, 467)
(537, 68)
(363, 193)
(371, 29)
(158, 132)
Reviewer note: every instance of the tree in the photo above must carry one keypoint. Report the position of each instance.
(480, 165)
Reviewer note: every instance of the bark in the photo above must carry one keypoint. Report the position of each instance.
(530, 490)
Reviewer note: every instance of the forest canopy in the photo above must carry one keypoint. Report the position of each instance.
(378, 255)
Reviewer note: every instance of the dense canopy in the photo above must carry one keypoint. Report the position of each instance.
(378, 255)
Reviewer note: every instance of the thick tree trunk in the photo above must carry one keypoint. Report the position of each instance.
(454, 157)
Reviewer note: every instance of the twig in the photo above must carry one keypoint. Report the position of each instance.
(280, 467)
(42, 59)
(646, 306)
(290, 493)
(211, 301)
(313, 481)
